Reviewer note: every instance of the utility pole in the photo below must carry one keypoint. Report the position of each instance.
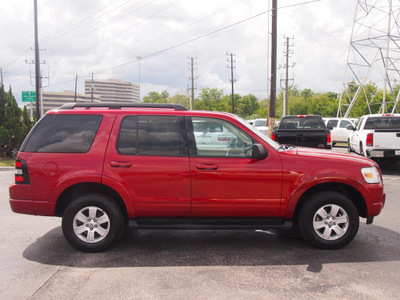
(38, 80)
(140, 59)
(76, 84)
(286, 80)
(232, 80)
(272, 104)
(192, 79)
(1, 73)
(92, 87)
(33, 62)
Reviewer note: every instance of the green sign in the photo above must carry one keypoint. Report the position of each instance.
(28, 96)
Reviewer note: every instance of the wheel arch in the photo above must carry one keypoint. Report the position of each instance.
(350, 192)
(80, 189)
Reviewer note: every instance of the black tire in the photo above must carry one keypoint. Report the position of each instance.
(362, 150)
(92, 223)
(328, 220)
(349, 147)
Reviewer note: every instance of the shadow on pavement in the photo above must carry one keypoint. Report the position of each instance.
(166, 248)
(389, 167)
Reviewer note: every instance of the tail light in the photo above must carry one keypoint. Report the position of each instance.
(329, 139)
(21, 172)
(273, 137)
(370, 140)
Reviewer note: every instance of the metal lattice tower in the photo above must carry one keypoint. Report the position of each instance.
(374, 56)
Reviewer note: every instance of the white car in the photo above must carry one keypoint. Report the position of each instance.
(260, 124)
(339, 131)
(377, 136)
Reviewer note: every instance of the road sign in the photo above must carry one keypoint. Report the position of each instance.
(28, 96)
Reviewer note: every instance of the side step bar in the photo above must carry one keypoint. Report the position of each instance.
(210, 223)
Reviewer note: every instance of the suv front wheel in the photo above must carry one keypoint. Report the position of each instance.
(92, 223)
(329, 220)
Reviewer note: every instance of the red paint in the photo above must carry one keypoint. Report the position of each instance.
(188, 185)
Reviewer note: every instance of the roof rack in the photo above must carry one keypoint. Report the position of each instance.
(120, 105)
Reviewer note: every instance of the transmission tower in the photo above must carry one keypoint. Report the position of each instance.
(373, 57)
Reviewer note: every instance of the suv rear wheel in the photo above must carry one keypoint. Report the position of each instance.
(329, 220)
(92, 223)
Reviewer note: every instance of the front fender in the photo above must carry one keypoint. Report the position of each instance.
(306, 185)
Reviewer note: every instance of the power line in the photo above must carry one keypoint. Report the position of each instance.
(199, 37)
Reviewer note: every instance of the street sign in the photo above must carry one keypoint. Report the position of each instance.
(28, 96)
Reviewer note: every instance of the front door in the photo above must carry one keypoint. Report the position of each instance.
(226, 181)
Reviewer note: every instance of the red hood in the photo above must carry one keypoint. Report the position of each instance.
(330, 155)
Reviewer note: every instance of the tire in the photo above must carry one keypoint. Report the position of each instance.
(328, 220)
(92, 223)
(362, 150)
(349, 147)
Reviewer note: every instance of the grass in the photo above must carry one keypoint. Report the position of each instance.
(7, 162)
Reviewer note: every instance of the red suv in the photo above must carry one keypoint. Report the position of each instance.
(102, 167)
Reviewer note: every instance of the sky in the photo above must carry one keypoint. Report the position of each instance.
(106, 37)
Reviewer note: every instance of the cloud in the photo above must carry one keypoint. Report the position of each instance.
(106, 37)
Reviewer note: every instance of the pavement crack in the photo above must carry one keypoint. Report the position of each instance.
(48, 280)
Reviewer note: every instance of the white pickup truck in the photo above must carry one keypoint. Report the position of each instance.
(376, 136)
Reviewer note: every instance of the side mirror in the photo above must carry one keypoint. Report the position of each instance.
(330, 127)
(350, 127)
(259, 152)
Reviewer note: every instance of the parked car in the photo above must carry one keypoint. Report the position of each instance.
(339, 131)
(102, 167)
(376, 136)
(260, 124)
(212, 136)
(303, 130)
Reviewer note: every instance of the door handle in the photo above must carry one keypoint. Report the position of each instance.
(207, 166)
(121, 164)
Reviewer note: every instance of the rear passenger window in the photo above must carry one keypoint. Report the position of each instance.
(332, 123)
(152, 135)
(63, 134)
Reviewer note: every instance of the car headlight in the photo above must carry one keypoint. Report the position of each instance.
(371, 175)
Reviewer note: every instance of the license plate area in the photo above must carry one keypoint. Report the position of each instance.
(375, 153)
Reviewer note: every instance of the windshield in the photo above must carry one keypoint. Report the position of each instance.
(258, 132)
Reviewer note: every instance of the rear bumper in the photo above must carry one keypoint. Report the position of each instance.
(383, 153)
(21, 201)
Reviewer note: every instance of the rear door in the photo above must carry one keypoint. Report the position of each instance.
(148, 155)
(226, 181)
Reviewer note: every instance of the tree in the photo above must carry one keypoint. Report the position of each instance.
(14, 123)
(209, 99)
(154, 97)
(180, 99)
(247, 106)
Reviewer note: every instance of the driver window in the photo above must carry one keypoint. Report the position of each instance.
(220, 138)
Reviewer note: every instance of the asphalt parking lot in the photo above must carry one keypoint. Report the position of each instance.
(37, 263)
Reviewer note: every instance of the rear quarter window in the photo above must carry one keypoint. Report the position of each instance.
(63, 134)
